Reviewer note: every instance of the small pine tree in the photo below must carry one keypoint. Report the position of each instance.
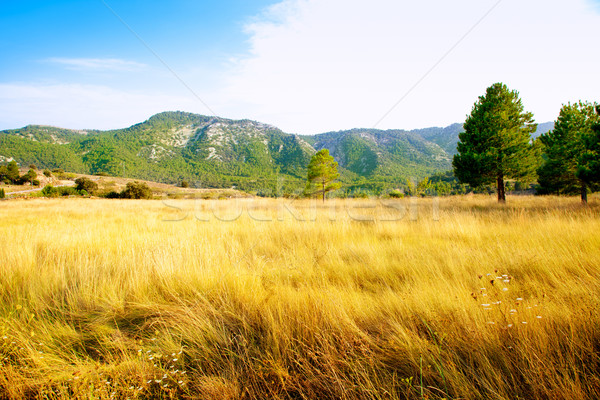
(322, 172)
(12, 171)
(29, 176)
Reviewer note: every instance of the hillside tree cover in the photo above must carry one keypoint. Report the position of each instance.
(496, 143)
(568, 152)
(212, 152)
(322, 172)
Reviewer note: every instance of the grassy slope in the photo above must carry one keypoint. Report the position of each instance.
(139, 299)
(112, 183)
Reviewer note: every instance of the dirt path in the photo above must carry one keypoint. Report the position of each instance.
(36, 190)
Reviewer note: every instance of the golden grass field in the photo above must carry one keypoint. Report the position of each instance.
(457, 298)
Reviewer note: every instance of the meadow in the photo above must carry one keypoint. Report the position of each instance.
(455, 298)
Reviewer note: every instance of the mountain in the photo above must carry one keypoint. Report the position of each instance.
(446, 138)
(391, 153)
(169, 147)
(216, 152)
(542, 128)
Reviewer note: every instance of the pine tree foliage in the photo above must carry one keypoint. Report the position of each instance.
(564, 151)
(322, 172)
(589, 166)
(496, 143)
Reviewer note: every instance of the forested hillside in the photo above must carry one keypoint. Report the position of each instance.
(208, 151)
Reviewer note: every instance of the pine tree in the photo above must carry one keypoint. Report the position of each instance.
(12, 171)
(564, 149)
(496, 143)
(589, 162)
(322, 172)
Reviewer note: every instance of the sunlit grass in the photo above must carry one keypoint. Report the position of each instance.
(449, 298)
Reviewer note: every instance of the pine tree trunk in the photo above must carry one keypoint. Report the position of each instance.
(584, 193)
(501, 195)
(323, 191)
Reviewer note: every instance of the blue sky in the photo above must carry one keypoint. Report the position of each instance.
(306, 66)
(184, 32)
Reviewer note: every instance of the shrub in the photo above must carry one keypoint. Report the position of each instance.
(136, 190)
(35, 182)
(67, 191)
(396, 194)
(86, 184)
(32, 166)
(49, 191)
(112, 195)
(47, 173)
(360, 194)
(185, 184)
(58, 171)
(2, 194)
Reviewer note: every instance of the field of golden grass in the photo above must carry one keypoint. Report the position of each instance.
(457, 298)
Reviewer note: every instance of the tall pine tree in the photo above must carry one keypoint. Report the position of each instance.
(589, 162)
(565, 150)
(496, 143)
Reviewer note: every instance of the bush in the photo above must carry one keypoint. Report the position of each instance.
(396, 194)
(32, 166)
(35, 182)
(185, 184)
(58, 171)
(2, 194)
(49, 191)
(87, 185)
(112, 195)
(67, 191)
(47, 173)
(136, 190)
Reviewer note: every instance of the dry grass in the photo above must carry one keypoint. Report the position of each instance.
(275, 299)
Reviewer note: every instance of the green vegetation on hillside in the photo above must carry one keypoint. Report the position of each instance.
(205, 151)
(212, 152)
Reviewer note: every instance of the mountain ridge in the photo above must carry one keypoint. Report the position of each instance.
(213, 151)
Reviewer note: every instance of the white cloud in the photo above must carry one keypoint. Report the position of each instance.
(317, 65)
(97, 64)
(78, 106)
